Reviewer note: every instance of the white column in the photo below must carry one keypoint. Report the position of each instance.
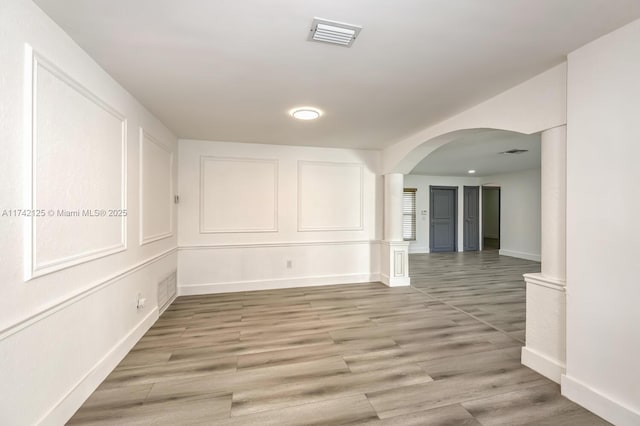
(393, 191)
(554, 203)
(545, 349)
(395, 251)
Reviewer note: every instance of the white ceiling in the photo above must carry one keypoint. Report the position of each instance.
(231, 69)
(481, 151)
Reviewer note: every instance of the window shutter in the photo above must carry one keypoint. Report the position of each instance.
(409, 214)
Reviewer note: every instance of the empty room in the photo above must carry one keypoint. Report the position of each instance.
(329, 212)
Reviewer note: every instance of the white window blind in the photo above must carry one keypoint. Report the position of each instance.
(409, 214)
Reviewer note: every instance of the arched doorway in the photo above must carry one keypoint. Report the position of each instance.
(545, 316)
(482, 282)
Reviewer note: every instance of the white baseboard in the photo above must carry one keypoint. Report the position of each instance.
(519, 255)
(602, 405)
(62, 411)
(549, 368)
(231, 287)
(173, 299)
(415, 249)
(396, 281)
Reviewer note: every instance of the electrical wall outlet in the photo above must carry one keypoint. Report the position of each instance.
(141, 301)
(289, 264)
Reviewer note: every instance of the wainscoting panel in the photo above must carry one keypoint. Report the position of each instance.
(330, 196)
(238, 195)
(69, 348)
(77, 163)
(156, 189)
(229, 268)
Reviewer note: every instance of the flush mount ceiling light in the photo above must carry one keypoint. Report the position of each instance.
(471, 172)
(333, 32)
(305, 113)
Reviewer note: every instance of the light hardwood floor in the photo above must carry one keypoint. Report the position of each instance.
(444, 351)
(482, 284)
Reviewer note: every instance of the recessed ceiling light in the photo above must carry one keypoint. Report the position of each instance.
(471, 172)
(305, 113)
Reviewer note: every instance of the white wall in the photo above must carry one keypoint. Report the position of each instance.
(301, 216)
(422, 183)
(71, 139)
(520, 210)
(519, 213)
(603, 335)
(537, 104)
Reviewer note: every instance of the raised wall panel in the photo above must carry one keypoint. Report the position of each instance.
(77, 164)
(238, 195)
(156, 189)
(398, 264)
(330, 196)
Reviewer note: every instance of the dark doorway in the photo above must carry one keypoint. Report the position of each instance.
(491, 217)
(471, 227)
(443, 232)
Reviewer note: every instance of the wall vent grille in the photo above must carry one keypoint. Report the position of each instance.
(333, 32)
(167, 288)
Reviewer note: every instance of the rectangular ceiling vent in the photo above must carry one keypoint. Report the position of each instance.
(515, 151)
(326, 31)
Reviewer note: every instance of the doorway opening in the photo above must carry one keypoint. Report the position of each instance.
(491, 217)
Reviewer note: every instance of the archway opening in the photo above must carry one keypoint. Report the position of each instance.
(461, 256)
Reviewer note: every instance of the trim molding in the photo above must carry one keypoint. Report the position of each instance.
(418, 249)
(276, 164)
(520, 255)
(395, 281)
(279, 283)
(552, 369)
(404, 244)
(282, 244)
(79, 295)
(603, 405)
(149, 239)
(399, 262)
(32, 268)
(543, 281)
(301, 228)
(169, 303)
(62, 411)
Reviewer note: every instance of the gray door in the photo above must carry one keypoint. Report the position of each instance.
(443, 232)
(471, 231)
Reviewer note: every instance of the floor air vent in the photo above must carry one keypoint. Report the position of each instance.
(333, 32)
(167, 291)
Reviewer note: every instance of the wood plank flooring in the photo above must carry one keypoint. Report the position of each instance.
(483, 284)
(444, 351)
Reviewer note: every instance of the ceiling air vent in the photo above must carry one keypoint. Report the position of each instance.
(515, 151)
(333, 32)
